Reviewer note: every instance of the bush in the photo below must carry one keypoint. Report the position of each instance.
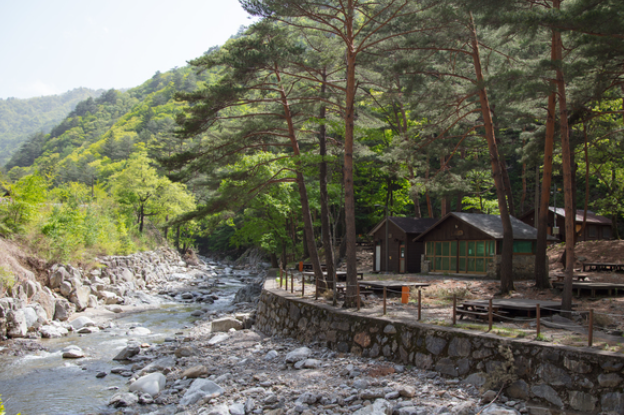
(7, 281)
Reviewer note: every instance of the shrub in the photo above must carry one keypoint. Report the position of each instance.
(7, 281)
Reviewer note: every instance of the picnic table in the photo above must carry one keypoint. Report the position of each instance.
(576, 277)
(602, 266)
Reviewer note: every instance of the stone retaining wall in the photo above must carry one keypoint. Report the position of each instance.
(562, 377)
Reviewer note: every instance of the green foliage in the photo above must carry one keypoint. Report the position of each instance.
(7, 280)
(22, 204)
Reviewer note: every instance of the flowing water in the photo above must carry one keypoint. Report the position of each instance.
(45, 383)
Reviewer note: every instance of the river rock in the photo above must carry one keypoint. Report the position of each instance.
(152, 384)
(31, 317)
(195, 372)
(30, 288)
(80, 297)
(248, 294)
(132, 349)
(138, 331)
(494, 409)
(81, 322)
(225, 324)
(164, 365)
(16, 324)
(53, 331)
(123, 399)
(62, 309)
(201, 389)
(72, 352)
(187, 351)
(108, 297)
(298, 354)
(45, 299)
(380, 407)
(93, 301)
(219, 338)
(65, 288)
(58, 277)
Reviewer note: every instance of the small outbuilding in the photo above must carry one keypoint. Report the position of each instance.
(471, 243)
(403, 254)
(597, 227)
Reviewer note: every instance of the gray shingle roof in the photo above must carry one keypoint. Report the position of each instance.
(493, 226)
(408, 225)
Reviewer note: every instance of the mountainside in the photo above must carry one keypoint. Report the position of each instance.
(20, 118)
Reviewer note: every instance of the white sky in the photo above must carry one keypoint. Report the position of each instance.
(48, 47)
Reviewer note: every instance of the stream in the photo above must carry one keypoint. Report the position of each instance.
(46, 383)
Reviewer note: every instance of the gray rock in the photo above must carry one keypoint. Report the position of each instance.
(237, 409)
(553, 375)
(547, 393)
(93, 302)
(435, 344)
(132, 349)
(248, 294)
(308, 398)
(152, 384)
(220, 409)
(518, 390)
(195, 372)
(379, 407)
(62, 309)
(499, 410)
(72, 352)
(609, 380)
(65, 289)
(298, 354)
(31, 317)
(81, 322)
(58, 277)
(271, 355)
(138, 331)
(225, 324)
(582, 401)
(45, 298)
(312, 363)
(16, 324)
(466, 408)
(187, 351)
(123, 399)
(488, 396)
(201, 389)
(612, 402)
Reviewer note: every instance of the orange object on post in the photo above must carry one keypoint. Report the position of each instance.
(405, 295)
(300, 266)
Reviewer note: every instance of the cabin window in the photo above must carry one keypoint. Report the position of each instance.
(592, 232)
(460, 256)
(523, 247)
(606, 233)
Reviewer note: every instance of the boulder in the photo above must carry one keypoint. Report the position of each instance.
(195, 372)
(53, 331)
(31, 317)
(132, 349)
(45, 298)
(81, 322)
(73, 352)
(16, 324)
(62, 309)
(380, 407)
(58, 277)
(108, 297)
(30, 288)
(65, 288)
(152, 384)
(187, 351)
(201, 389)
(298, 354)
(80, 297)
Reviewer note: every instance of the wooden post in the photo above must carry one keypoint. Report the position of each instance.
(419, 303)
(292, 282)
(454, 309)
(537, 319)
(317, 286)
(384, 307)
(302, 285)
(286, 281)
(281, 280)
(490, 316)
(358, 296)
(590, 334)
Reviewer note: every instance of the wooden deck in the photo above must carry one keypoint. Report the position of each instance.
(391, 286)
(605, 288)
(340, 275)
(509, 306)
(602, 266)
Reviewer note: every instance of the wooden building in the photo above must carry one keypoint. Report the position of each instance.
(597, 227)
(403, 252)
(471, 243)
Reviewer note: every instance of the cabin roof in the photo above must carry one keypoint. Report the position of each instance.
(407, 225)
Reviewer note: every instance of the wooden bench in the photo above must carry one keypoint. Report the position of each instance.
(561, 278)
(479, 312)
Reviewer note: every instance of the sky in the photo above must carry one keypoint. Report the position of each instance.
(50, 47)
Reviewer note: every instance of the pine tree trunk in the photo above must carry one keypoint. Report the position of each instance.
(325, 222)
(541, 272)
(568, 191)
(506, 272)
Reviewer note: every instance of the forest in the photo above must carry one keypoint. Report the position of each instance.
(302, 131)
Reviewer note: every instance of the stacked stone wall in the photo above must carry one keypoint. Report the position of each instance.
(562, 377)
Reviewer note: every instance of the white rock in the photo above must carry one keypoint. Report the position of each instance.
(152, 384)
(82, 321)
(73, 352)
(380, 407)
(499, 410)
(219, 338)
(53, 332)
(123, 399)
(138, 331)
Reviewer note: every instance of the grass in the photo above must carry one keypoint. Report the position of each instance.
(7, 279)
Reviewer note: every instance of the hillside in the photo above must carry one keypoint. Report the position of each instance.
(21, 118)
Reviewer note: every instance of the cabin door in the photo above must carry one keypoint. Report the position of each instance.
(378, 257)
(402, 258)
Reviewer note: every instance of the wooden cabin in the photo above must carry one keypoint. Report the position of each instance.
(403, 252)
(471, 243)
(597, 227)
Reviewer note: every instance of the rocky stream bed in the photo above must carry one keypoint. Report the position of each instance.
(151, 333)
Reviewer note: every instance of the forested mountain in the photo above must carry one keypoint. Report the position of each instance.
(21, 118)
(313, 124)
